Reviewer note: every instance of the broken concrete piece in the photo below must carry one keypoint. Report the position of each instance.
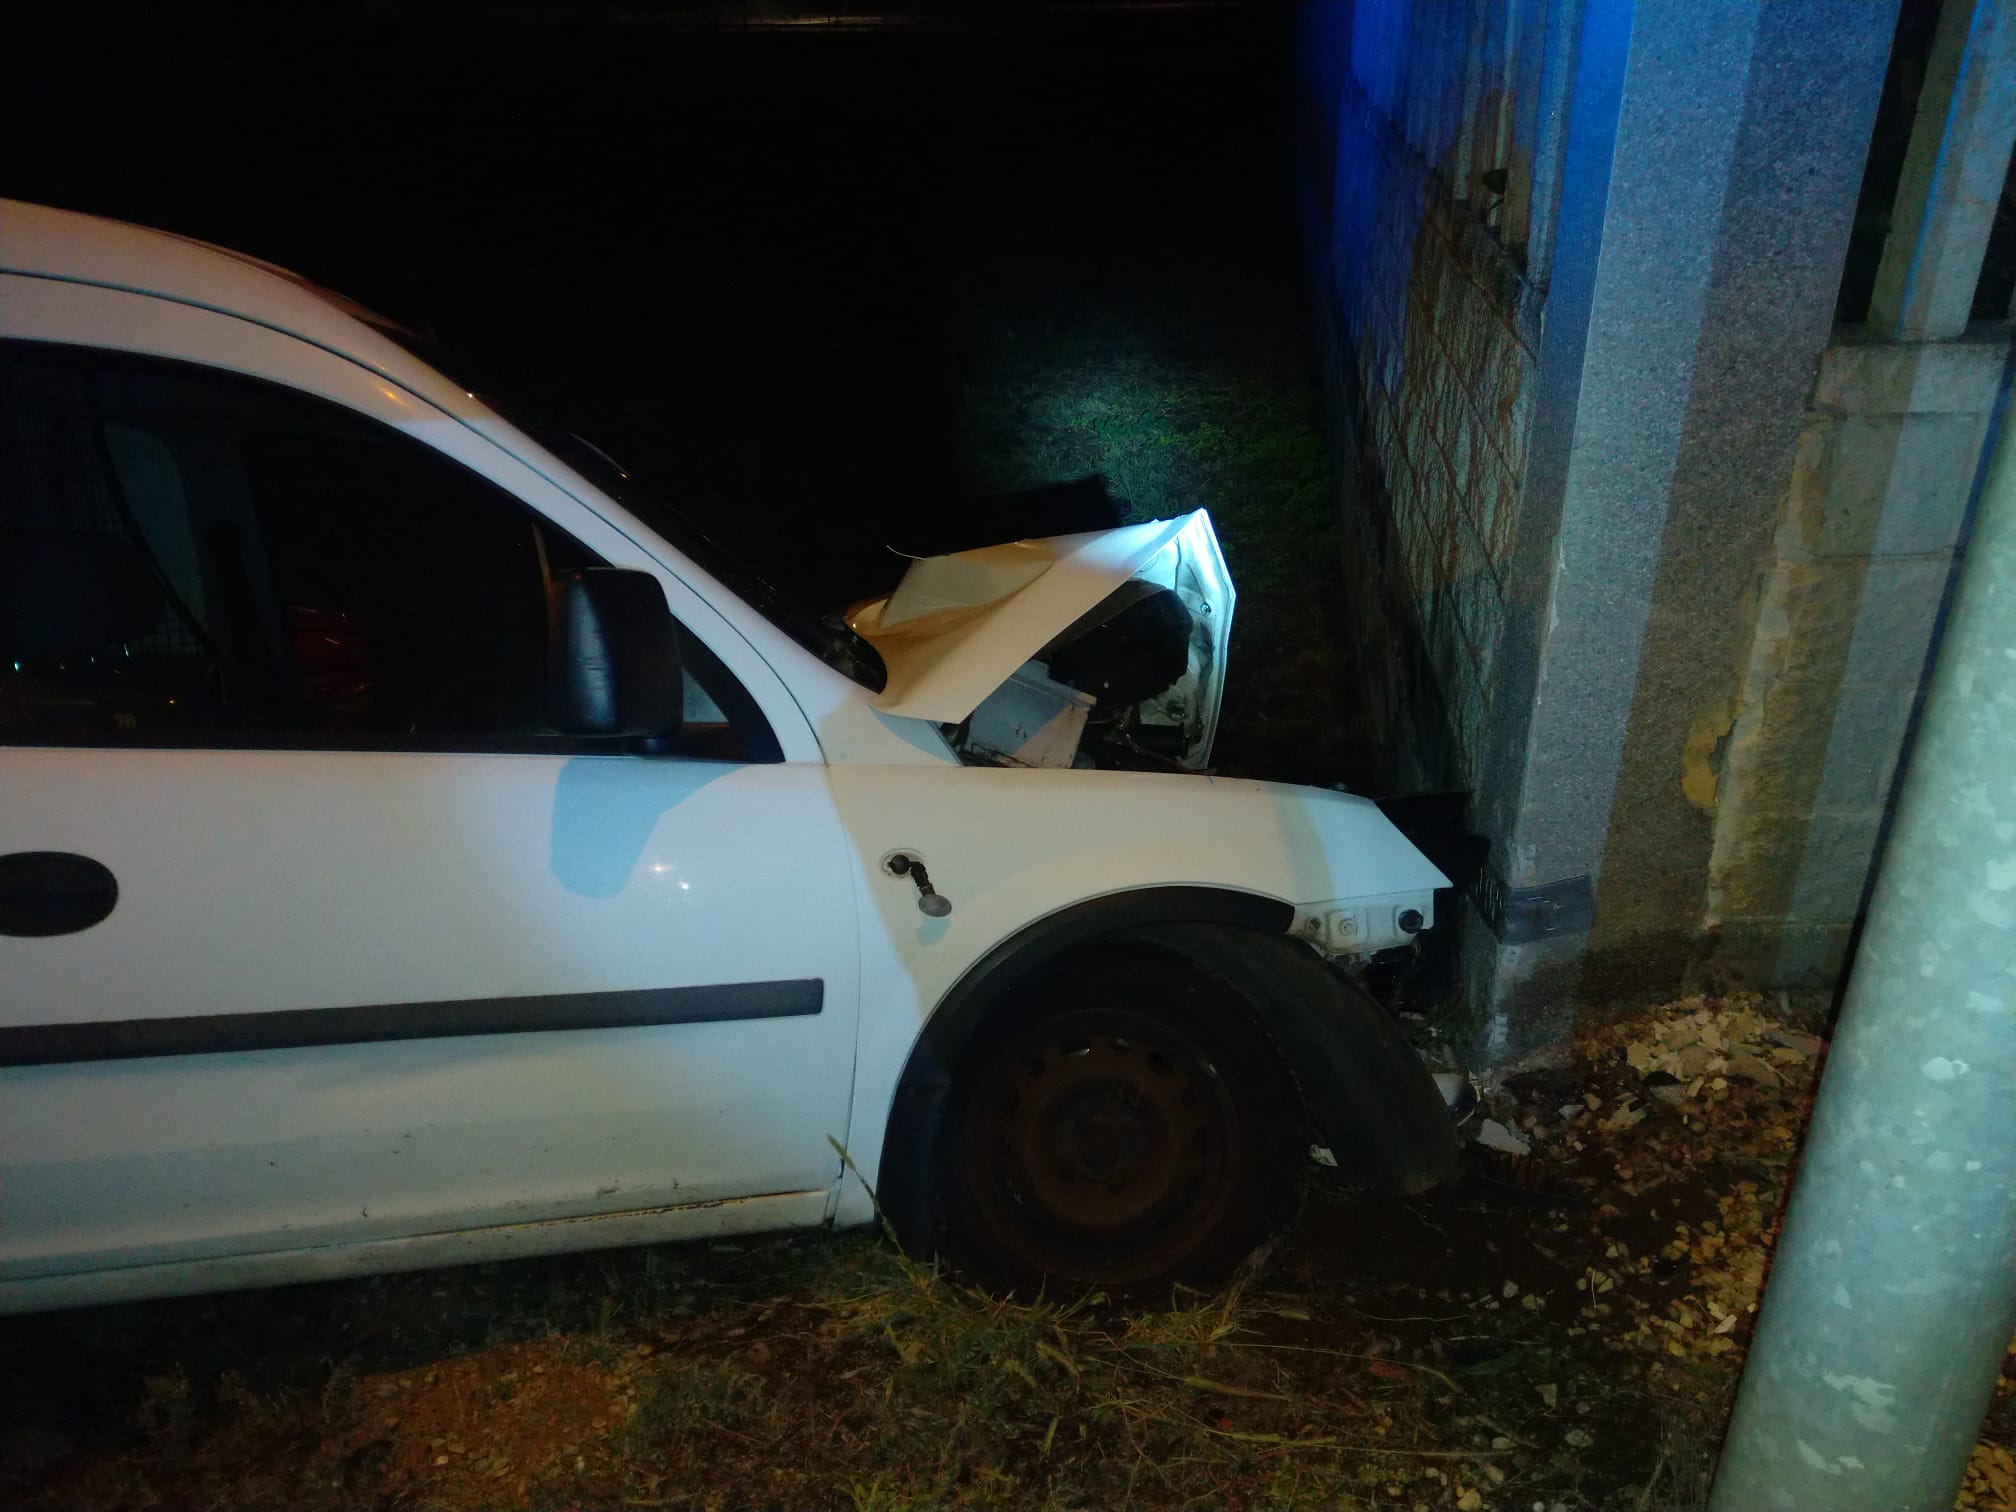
(1493, 1135)
(1691, 1061)
(1623, 1117)
(1808, 1045)
(1742, 1024)
(1750, 1068)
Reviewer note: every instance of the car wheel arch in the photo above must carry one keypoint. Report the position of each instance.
(1339, 1047)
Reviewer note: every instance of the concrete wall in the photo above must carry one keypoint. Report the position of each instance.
(1737, 168)
(1849, 596)
(1440, 372)
(1846, 603)
(1564, 456)
(1424, 152)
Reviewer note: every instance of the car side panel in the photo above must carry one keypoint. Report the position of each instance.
(284, 882)
(1009, 846)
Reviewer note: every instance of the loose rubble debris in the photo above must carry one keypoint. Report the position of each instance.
(1493, 1135)
(1991, 1478)
(1689, 1096)
(1725, 1062)
(1695, 1113)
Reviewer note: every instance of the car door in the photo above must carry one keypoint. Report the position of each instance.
(311, 933)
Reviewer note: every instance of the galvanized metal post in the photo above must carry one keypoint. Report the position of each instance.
(1952, 179)
(1894, 1288)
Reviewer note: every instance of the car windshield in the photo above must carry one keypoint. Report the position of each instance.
(828, 639)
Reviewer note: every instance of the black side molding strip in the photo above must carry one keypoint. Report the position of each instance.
(298, 1028)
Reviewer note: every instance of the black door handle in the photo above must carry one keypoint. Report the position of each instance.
(53, 893)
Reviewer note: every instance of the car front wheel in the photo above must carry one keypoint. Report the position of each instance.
(1126, 1123)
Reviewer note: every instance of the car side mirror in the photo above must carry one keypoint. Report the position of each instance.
(612, 655)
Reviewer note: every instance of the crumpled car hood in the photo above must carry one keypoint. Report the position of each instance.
(959, 626)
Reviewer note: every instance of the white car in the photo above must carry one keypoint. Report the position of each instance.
(416, 847)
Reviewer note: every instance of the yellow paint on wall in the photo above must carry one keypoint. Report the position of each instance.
(1698, 777)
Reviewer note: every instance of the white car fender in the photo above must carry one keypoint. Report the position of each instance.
(1009, 847)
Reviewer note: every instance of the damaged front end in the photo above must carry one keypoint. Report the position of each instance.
(1101, 649)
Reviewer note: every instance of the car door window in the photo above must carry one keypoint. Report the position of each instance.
(191, 557)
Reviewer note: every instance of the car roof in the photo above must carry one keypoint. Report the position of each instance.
(41, 242)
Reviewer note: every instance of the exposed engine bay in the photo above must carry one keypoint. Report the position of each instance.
(1101, 649)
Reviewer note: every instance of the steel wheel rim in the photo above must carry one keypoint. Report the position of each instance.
(1101, 1131)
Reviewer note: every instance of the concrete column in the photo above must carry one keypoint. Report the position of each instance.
(1953, 172)
(1714, 155)
(1893, 1290)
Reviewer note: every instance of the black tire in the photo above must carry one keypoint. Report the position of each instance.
(1124, 1122)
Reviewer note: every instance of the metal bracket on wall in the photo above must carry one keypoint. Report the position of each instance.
(1521, 915)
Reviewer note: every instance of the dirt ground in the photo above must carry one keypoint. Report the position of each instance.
(1558, 1330)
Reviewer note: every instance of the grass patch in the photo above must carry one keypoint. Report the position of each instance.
(688, 1399)
(981, 1400)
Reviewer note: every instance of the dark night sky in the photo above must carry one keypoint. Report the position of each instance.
(728, 257)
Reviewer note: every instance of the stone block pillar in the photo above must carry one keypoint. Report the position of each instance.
(1710, 174)
(1870, 531)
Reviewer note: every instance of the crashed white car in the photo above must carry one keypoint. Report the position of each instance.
(417, 846)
